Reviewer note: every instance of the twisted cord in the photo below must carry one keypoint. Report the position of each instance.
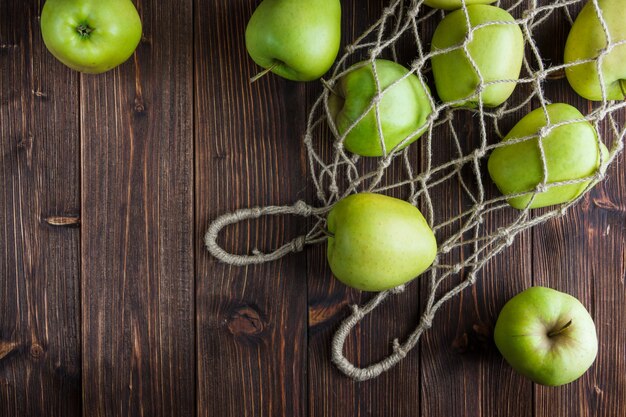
(336, 173)
(300, 208)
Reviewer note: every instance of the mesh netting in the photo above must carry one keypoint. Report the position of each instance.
(420, 168)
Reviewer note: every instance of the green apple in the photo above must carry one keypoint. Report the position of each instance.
(571, 152)
(91, 36)
(403, 109)
(497, 49)
(378, 242)
(547, 336)
(586, 40)
(296, 39)
(453, 4)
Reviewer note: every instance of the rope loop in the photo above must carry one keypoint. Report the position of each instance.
(300, 208)
(446, 159)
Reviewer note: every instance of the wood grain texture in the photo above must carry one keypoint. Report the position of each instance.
(40, 362)
(462, 371)
(110, 305)
(583, 254)
(394, 393)
(137, 223)
(251, 321)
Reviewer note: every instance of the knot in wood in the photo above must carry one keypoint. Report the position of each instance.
(139, 106)
(245, 321)
(36, 350)
(26, 142)
(476, 340)
(6, 348)
(63, 221)
(39, 94)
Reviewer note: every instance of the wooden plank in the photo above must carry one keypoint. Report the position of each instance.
(462, 371)
(606, 262)
(137, 246)
(330, 392)
(463, 374)
(40, 363)
(583, 254)
(251, 321)
(394, 393)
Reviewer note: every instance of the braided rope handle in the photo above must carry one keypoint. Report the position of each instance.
(300, 208)
(345, 166)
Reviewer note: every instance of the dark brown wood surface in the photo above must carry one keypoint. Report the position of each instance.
(137, 261)
(110, 305)
(40, 280)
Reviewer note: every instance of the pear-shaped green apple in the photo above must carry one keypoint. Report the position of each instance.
(571, 152)
(547, 336)
(91, 36)
(296, 39)
(403, 109)
(378, 242)
(453, 4)
(497, 49)
(586, 40)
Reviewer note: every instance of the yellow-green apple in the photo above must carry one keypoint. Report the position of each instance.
(547, 336)
(298, 40)
(497, 48)
(571, 151)
(586, 41)
(403, 109)
(378, 242)
(453, 4)
(91, 36)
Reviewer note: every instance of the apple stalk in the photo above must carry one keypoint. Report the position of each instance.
(553, 333)
(263, 73)
(327, 86)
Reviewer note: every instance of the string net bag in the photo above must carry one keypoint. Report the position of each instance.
(419, 168)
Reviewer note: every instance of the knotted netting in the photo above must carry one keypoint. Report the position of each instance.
(417, 170)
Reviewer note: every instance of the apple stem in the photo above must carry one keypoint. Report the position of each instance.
(556, 75)
(263, 73)
(328, 87)
(561, 330)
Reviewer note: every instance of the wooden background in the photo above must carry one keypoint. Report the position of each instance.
(121, 311)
